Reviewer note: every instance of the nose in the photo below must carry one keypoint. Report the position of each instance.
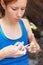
(19, 13)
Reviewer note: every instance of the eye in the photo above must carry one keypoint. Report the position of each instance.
(22, 8)
(14, 9)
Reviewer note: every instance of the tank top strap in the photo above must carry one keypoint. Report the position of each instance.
(22, 27)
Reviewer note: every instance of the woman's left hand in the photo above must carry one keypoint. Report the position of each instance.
(33, 48)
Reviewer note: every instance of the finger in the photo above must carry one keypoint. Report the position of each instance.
(17, 43)
(21, 51)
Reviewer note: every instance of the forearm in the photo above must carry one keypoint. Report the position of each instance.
(35, 41)
(32, 39)
(2, 54)
(34, 44)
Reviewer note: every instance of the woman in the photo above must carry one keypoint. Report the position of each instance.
(15, 33)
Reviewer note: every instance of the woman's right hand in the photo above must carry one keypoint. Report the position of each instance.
(14, 51)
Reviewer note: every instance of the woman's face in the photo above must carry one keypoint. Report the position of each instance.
(15, 10)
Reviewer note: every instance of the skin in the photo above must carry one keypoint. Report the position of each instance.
(13, 13)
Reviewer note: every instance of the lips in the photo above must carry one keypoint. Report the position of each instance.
(17, 18)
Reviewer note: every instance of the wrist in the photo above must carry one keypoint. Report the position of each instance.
(2, 54)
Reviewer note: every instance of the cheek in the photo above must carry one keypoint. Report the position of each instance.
(23, 13)
(10, 13)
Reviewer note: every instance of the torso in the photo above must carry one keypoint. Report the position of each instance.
(6, 41)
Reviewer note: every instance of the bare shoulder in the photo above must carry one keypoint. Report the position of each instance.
(25, 20)
(26, 23)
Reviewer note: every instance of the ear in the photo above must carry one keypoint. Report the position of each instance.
(3, 4)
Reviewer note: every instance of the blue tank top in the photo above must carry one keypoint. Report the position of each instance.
(4, 41)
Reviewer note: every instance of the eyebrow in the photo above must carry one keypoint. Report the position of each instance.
(17, 7)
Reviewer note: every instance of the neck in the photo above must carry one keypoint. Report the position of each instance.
(9, 22)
